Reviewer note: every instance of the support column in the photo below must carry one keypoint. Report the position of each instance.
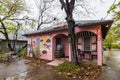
(69, 53)
(99, 47)
(53, 48)
(99, 51)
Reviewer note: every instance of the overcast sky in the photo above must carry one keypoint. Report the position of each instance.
(98, 8)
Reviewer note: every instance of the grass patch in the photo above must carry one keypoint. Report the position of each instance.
(67, 67)
(23, 53)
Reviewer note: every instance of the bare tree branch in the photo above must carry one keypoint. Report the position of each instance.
(72, 3)
(63, 4)
(43, 6)
(107, 13)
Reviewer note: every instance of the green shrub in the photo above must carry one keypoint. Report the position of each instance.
(116, 46)
(23, 53)
(77, 70)
(67, 67)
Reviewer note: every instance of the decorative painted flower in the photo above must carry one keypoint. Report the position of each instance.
(44, 52)
(48, 41)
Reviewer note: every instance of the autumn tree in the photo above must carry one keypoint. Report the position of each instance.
(110, 39)
(115, 11)
(114, 33)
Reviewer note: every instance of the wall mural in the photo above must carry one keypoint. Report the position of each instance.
(45, 43)
(42, 44)
(31, 48)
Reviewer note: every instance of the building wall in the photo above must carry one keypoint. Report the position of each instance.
(98, 31)
(45, 46)
(4, 47)
(47, 49)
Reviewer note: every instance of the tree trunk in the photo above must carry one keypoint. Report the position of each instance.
(72, 41)
(68, 6)
(14, 42)
(6, 36)
(25, 46)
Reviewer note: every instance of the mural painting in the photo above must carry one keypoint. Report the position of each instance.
(45, 44)
(39, 45)
(31, 49)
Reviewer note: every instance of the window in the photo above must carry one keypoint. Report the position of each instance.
(80, 43)
(94, 43)
(86, 43)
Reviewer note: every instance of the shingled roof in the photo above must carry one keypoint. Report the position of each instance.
(81, 23)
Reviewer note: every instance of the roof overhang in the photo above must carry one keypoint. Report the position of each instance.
(105, 24)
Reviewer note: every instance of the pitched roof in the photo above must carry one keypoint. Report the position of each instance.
(81, 23)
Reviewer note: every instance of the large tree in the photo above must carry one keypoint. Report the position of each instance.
(10, 9)
(80, 8)
(68, 6)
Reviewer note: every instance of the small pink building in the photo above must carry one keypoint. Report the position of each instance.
(52, 42)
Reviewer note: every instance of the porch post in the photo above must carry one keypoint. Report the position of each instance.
(69, 53)
(53, 48)
(99, 48)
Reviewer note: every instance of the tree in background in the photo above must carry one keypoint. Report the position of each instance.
(115, 10)
(44, 17)
(114, 34)
(110, 39)
(10, 9)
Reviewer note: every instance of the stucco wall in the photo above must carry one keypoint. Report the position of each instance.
(50, 47)
(45, 48)
(98, 31)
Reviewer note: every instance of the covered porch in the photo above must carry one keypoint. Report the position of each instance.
(87, 45)
(89, 42)
(61, 46)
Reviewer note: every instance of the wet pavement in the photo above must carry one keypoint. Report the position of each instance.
(21, 71)
(9, 71)
(112, 69)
